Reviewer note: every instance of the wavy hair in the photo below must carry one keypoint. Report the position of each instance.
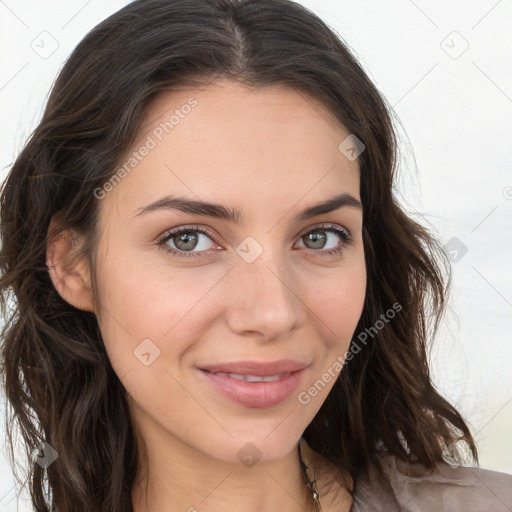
(60, 386)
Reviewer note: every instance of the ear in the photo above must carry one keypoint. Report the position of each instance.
(69, 271)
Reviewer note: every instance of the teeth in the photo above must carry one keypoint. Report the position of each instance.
(253, 378)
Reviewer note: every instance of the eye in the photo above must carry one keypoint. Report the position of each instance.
(182, 241)
(318, 238)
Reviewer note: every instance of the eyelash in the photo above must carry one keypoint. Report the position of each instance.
(342, 232)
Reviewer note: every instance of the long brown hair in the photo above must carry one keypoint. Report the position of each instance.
(60, 386)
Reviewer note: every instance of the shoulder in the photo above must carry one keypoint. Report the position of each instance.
(410, 488)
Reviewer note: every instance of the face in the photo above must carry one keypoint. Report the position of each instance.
(255, 279)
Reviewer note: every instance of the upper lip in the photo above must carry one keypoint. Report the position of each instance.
(257, 368)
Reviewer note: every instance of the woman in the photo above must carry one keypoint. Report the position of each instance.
(220, 304)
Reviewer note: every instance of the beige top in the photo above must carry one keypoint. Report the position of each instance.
(410, 488)
(453, 489)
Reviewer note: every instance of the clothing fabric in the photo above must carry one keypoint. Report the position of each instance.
(410, 488)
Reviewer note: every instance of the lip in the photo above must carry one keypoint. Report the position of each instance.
(255, 394)
(259, 368)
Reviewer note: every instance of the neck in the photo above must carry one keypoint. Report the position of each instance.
(176, 476)
(334, 487)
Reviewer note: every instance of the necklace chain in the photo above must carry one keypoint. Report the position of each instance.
(311, 485)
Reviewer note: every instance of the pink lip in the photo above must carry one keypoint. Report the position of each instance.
(254, 394)
(258, 368)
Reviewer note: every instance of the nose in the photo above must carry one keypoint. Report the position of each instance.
(263, 298)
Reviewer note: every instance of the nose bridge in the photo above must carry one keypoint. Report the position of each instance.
(264, 300)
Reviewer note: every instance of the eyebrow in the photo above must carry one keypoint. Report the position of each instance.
(217, 211)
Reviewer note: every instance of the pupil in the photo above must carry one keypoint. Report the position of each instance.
(317, 238)
(189, 238)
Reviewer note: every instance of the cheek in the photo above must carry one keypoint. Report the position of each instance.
(339, 304)
(141, 301)
(337, 307)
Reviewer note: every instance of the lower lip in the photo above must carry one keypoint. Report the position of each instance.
(255, 394)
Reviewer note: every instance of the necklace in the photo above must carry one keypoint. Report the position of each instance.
(311, 485)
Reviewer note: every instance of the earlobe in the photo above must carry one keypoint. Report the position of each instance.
(69, 270)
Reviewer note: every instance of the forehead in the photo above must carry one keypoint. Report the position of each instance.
(229, 99)
(228, 143)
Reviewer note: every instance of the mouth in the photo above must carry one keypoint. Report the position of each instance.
(260, 387)
(252, 378)
(257, 368)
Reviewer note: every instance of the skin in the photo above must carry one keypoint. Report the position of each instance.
(270, 153)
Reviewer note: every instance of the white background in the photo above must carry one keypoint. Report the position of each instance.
(455, 108)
